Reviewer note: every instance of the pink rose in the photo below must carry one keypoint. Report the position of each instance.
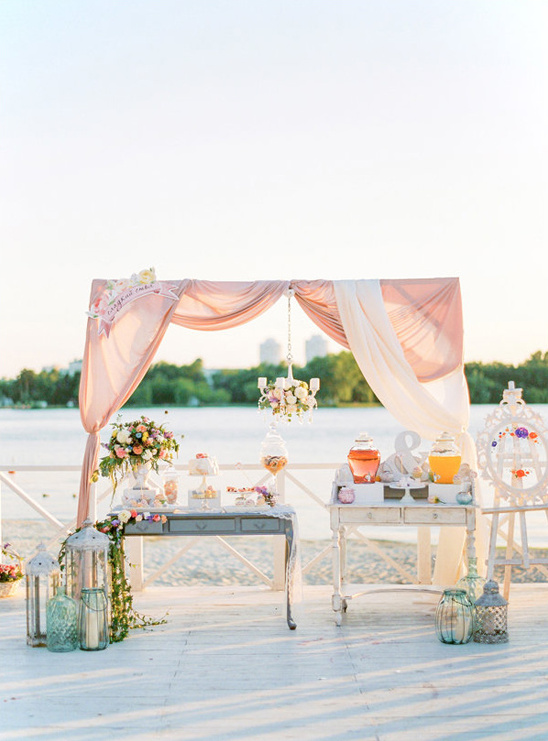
(156, 518)
(120, 453)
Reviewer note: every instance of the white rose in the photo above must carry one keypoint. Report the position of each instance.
(310, 401)
(123, 437)
(290, 399)
(147, 455)
(291, 409)
(124, 516)
(301, 393)
(147, 276)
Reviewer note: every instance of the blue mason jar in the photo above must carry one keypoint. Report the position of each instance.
(454, 617)
(61, 622)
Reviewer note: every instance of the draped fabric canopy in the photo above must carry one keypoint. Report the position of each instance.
(406, 336)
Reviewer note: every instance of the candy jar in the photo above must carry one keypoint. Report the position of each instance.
(364, 459)
(273, 453)
(444, 459)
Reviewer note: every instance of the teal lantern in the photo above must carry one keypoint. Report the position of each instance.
(454, 617)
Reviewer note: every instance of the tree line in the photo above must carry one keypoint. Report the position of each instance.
(342, 383)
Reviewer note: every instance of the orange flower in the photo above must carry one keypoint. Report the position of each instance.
(137, 449)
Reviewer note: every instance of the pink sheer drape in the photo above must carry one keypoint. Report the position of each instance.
(114, 366)
(213, 305)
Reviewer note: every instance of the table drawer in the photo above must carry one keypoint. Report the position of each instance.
(435, 516)
(202, 526)
(364, 516)
(261, 525)
(144, 527)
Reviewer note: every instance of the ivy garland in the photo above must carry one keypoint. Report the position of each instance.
(123, 616)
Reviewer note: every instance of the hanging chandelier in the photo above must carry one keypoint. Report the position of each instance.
(288, 397)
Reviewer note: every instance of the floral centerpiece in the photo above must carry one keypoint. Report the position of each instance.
(10, 573)
(295, 398)
(135, 444)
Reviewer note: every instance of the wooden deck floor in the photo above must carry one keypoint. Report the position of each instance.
(227, 667)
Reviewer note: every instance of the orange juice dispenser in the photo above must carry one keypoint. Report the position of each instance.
(444, 459)
(364, 459)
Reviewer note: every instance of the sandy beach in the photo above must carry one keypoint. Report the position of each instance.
(209, 563)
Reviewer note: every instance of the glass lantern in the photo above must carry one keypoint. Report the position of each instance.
(42, 578)
(87, 560)
(491, 616)
(62, 622)
(273, 454)
(92, 620)
(473, 583)
(454, 617)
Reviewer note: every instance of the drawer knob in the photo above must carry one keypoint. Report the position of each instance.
(369, 515)
(435, 516)
(201, 525)
(259, 526)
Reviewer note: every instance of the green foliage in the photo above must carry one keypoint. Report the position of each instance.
(342, 382)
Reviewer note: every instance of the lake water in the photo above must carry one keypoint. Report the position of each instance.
(234, 434)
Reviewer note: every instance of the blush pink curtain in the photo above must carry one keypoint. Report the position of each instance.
(213, 305)
(114, 366)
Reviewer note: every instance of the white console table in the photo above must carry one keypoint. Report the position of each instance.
(347, 518)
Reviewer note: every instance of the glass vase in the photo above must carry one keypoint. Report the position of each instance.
(454, 617)
(473, 583)
(62, 622)
(273, 455)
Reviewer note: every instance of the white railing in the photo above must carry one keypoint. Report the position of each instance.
(254, 473)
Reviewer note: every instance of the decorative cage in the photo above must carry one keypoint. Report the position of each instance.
(454, 617)
(87, 561)
(42, 578)
(491, 616)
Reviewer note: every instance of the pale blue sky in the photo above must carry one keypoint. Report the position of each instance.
(247, 140)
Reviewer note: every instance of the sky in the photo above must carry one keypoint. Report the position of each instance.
(252, 139)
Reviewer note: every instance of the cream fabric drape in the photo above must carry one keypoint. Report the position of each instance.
(428, 408)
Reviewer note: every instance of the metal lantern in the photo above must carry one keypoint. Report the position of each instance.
(454, 617)
(42, 578)
(491, 616)
(87, 560)
(473, 583)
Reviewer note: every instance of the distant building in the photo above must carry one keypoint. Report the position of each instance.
(74, 367)
(315, 347)
(270, 351)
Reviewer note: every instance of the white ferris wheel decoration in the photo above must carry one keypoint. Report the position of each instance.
(513, 451)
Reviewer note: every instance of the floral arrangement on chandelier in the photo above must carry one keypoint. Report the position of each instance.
(293, 399)
(134, 444)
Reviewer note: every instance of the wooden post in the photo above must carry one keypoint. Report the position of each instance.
(134, 554)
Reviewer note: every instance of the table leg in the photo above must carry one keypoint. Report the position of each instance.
(289, 543)
(336, 600)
